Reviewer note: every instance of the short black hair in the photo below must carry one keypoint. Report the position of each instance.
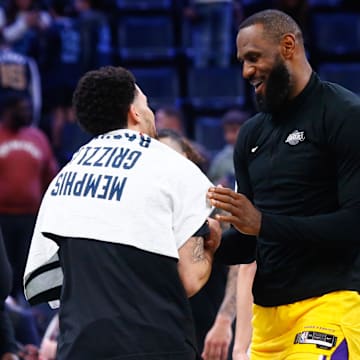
(102, 99)
(276, 23)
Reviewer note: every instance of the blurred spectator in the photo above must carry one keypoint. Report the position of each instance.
(8, 347)
(170, 117)
(60, 73)
(95, 35)
(24, 323)
(211, 23)
(27, 167)
(221, 169)
(181, 144)
(21, 22)
(20, 73)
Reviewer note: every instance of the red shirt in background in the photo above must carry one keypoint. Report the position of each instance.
(27, 165)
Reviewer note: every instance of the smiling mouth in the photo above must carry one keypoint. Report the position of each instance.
(257, 85)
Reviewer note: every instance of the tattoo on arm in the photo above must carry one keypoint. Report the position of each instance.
(198, 253)
(228, 306)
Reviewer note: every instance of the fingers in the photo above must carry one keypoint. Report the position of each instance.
(240, 212)
(223, 194)
(220, 189)
(214, 226)
(229, 201)
(215, 352)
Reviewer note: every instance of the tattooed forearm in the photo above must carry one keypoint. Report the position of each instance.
(228, 305)
(198, 253)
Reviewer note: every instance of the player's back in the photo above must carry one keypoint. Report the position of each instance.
(122, 302)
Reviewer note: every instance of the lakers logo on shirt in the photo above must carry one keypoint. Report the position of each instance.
(295, 137)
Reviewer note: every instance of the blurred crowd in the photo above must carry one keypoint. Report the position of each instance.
(45, 47)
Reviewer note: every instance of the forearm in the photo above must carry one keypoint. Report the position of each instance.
(220, 335)
(236, 248)
(196, 257)
(194, 265)
(319, 230)
(227, 310)
(243, 330)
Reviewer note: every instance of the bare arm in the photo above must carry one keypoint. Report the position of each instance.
(48, 345)
(196, 257)
(218, 338)
(243, 330)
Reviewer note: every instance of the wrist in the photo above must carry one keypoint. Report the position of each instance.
(224, 319)
(239, 350)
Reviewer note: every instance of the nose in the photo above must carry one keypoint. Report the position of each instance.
(248, 70)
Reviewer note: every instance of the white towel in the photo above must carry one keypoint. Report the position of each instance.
(122, 187)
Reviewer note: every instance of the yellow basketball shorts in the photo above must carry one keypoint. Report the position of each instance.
(321, 328)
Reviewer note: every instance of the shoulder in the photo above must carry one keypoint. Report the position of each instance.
(37, 134)
(341, 105)
(341, 114)
(251, 129)
(338, 98)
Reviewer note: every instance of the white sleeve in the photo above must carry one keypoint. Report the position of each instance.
(15, 30)
(191, 206)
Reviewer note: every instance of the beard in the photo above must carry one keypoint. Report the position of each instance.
(277, 89)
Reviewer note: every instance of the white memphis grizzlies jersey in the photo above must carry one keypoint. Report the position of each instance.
(122, 187)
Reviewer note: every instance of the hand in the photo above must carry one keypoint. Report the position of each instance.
(48, 350)
(242, 213)
(212, 242)
(29, 352)
(217, 340)
(9, 356)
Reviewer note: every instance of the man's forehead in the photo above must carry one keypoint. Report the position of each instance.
(251, 34)
(251, 39)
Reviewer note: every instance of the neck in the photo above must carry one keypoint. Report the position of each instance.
(301, 77)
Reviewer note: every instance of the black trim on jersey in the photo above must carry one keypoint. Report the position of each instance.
(204, 230)
(121, 302)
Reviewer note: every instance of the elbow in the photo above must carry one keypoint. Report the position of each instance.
(194, 284)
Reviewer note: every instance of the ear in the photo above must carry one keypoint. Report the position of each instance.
(133, 116)
(288, 44)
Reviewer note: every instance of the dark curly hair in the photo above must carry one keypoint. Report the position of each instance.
(102, 99)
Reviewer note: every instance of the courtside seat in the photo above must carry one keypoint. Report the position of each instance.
(144, 4)
(324, 3)
(160, 85)
(215, 88)
(345, 74)
(209, 133)
(336, 35)
(146, 38)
